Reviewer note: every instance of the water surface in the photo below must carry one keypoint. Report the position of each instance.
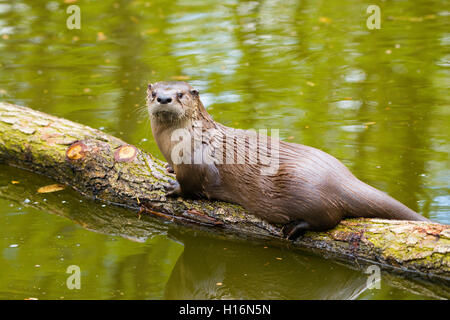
(375, 99)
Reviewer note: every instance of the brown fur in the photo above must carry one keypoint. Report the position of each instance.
(310, 190)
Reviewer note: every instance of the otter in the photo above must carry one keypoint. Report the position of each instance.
(307, 189)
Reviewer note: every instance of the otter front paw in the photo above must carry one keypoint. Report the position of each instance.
(169, 168)
(174, 190)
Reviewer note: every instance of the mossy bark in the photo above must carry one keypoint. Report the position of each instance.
(106, 168)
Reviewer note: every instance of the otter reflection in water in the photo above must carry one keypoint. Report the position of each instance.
(219, 269)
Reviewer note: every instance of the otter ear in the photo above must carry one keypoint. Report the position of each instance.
(150, 87)
(195, 92)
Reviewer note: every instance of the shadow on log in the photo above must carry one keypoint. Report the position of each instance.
(105, 168)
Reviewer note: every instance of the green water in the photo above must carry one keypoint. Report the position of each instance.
(375, 99)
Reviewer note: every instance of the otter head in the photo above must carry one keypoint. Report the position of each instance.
(172, 101)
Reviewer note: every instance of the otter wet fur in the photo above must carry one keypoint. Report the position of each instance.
(309, 190)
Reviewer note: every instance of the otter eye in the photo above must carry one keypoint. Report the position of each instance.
(153, 94)
(180, 95)
(194, 92)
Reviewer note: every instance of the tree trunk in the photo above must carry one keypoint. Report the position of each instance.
(105, 168)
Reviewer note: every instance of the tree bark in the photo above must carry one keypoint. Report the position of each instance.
(105, 168)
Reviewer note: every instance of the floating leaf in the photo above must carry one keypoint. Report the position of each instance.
(150, 31)
(325, 20)
(51, 188)
(15, 182)
(180, 78)
(101, 36)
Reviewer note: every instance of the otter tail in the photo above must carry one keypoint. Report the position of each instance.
(362, 200)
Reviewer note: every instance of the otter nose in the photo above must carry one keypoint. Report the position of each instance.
(164, 100)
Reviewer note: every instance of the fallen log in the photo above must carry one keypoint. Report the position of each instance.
(347, 281)
(105, 168)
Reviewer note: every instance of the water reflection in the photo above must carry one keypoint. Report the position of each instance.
(123, 256)
(226, 270)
